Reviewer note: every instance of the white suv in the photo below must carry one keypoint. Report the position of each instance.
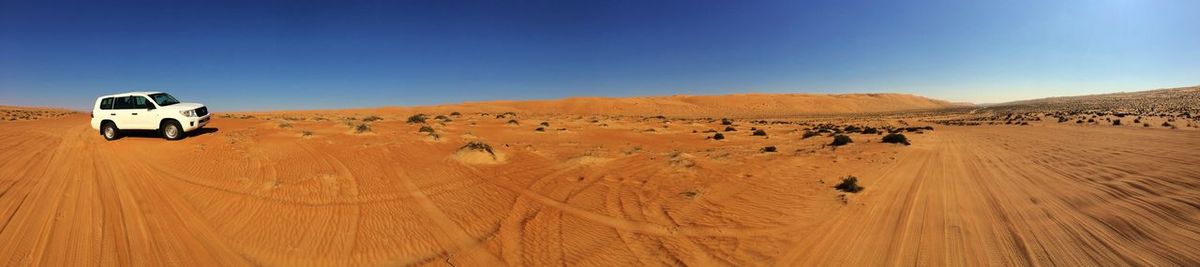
(147, 111)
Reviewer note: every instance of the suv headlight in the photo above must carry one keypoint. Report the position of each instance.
(188, 113)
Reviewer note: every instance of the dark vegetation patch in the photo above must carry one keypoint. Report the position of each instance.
(841, 140)
(808, 134)
(426, 129)
(896, 138)
(362, 128)
(478, 146)
(849, 184)
(418, 118)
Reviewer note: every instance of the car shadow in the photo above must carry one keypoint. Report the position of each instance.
(157, 134)
(202, 131)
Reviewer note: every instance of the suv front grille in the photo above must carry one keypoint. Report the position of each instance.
(200, 112)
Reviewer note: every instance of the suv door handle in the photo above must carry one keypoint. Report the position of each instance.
(135, 114)
(112, 114)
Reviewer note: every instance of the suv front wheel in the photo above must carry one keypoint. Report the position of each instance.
(172, 130)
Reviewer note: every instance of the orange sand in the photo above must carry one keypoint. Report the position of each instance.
(598, 190)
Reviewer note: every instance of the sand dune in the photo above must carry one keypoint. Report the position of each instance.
(724, 105)
(11, 113)
(1181, 99)
(739, 105)
(311, 188)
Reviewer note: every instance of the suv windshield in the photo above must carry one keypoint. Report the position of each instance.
(164, 99)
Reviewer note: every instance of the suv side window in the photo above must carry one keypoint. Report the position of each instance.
(123, 102)
(106, 103)
(138, 102)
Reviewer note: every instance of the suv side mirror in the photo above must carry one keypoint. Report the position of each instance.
(150, 106)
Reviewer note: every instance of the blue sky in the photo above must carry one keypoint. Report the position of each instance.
(315, 54)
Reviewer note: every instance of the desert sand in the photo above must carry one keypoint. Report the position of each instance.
(615, 182)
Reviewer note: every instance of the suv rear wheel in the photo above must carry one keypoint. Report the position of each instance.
(172, 130)
(110, 131)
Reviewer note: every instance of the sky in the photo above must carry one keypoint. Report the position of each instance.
(263, 55)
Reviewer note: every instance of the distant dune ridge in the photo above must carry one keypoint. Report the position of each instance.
(1180, 99)
(734, 105)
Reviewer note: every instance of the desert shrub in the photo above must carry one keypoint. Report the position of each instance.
(808, 134)
(372, 118)
(1166, 124)
(726, 121)
(1117, 122)
(1145, 125)
(442, 118)
(544, 124)
(896, 139)
(362, 128)
(306, 133)
(426, 129)
(768, 149)
(852, 129)
(513, 122)
(540, 129)
(870, 130)
(455, 113)
(478, 146)
(285, 125)
(419, 118)
(849, 184)
(730, 129)
(759, 132)
(718, 136)
(1091, 120)
(841, 140)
